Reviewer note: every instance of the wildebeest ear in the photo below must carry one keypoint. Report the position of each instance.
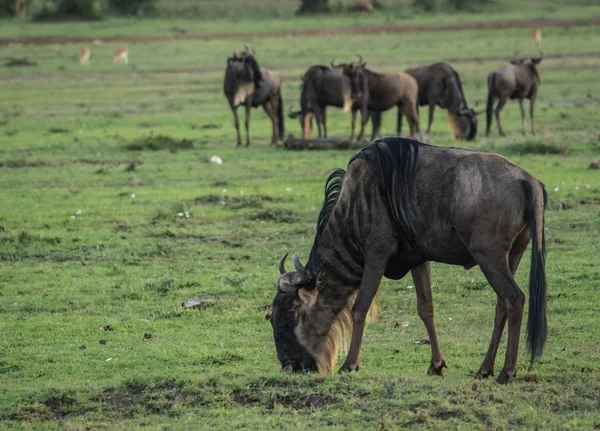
(308, 296)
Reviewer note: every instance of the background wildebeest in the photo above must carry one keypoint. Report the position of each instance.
(373, 91)
(246, 83)
(519, 80)
(400, 205)
(322, 87)
(439, 84)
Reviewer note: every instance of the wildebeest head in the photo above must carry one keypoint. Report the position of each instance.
(354, 73)
(530, 63)
(246, 60)
(295, 292)
(463, 124)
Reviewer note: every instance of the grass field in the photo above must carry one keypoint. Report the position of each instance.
(91, 234)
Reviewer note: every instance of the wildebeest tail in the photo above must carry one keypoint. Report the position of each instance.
(280, 117)
(490, 100)
(537, 326)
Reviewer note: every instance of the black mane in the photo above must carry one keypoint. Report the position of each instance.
(257, 74)
(394, 161)
(333, 186)
(460, 87)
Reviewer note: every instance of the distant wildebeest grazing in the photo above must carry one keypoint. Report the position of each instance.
(371, 91)
(439, 84)
(520, 80)
(246, 83)
(400, 205)
(322, 87)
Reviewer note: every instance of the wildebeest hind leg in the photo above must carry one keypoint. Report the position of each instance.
(422, 280)
(522, 116)
(531, 106)
(499, 107)
(487, 367)
(271, 111)
(324, 117)
(497, 271)
(369, 285)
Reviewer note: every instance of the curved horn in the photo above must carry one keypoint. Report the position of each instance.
(333, 66)
(360, 58)
(247, 47)
(290, 281)
(297, 264)
(282, 269)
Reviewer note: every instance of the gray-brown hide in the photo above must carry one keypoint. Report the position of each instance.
(519, 80)
(322, 87)
(249, 85)
(440, 85)
(378, 92)
(400, 205)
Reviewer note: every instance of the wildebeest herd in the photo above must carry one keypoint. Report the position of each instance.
(354, 87)
(402, 204)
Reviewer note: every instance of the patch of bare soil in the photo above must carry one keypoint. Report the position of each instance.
(294, 400)
(330, 31)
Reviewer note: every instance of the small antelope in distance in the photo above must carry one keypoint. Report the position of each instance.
(121, 55)
(84, 56)
(20, 8)
(537, 38)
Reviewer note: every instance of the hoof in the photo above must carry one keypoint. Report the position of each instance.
(505, 376)
(348, 368)
(437, 368)
(484, 374)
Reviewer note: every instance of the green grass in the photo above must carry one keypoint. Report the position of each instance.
(90, 235)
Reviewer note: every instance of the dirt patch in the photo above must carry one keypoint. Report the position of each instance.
(160, 142)
(325, 31)
(16, 164)
(19, 62)
(135, 398)
(277, 215)
(294, 400)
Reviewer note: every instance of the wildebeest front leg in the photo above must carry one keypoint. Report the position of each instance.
(352, 125)
(364, 118)
(324, 117)
(522, 116)
(247, 123)
(236, 121)
(499, 107)
(369, 285)
(422, 280)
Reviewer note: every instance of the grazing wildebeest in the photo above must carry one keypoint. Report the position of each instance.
(439, 84)
(378, 92)
(246, 83)
(520, 80)
(322, 87)
(400, 205)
